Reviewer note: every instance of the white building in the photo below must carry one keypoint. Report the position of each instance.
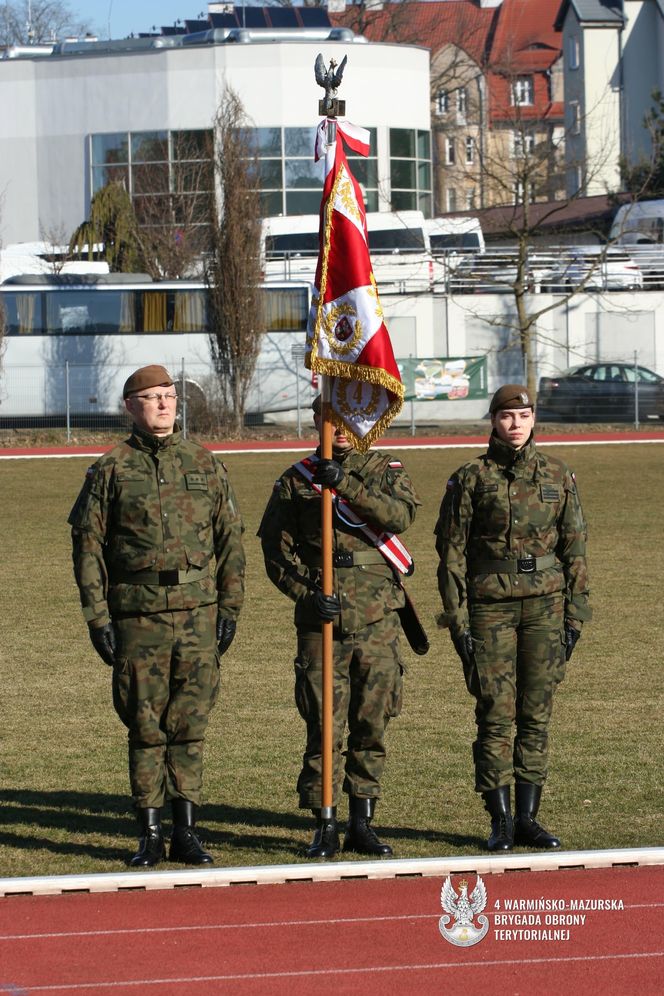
(78, 113)
(614, 60)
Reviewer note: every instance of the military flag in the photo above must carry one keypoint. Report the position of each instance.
(347, 339)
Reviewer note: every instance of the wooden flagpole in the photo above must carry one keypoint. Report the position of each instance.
(331, 107)
(326, 434)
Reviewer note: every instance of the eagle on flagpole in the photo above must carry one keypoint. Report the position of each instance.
(329, 79)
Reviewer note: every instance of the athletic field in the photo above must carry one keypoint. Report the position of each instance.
(63, 781)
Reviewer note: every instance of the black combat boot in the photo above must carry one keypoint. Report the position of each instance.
(326, 838)
(151, 847)
(527, 831)
(185, 845)
(359, 835)
(497, 804)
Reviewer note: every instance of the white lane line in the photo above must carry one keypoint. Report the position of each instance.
(299, 449)
(263, 924)
(325, 972)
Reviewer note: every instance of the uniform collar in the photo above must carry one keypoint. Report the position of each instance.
(506, 456)
(149, 443)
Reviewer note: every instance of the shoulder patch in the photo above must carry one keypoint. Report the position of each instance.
(395, 464)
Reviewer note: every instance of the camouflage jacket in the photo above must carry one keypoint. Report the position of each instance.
(506, 505)
(154, 505)
(380, 491)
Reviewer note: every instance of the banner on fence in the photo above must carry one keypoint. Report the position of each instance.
(444, 378)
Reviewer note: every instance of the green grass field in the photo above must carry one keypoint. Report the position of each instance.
(63, 780)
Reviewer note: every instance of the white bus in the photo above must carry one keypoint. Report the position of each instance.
(72, 340)
(398, 243)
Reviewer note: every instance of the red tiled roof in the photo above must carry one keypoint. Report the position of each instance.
(525, 36)
(516, 38)
(520, 30)
(432, 25)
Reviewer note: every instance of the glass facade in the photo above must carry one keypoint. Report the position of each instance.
(292, 182)
(170, 174)
(410, 170)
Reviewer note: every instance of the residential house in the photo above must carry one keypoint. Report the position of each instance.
(614, 61)
(496, 93)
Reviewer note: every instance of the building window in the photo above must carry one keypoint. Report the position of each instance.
(575, 117)
(410, 170)
(573, 52)
(523, 145)
(470, 151)
(450, 151)
(451, 198)
(155, 165)
(167, 174)
(442, 102)
(470, 199)
(578, 180)
(523, 91)
(461, 100)
(292, 184)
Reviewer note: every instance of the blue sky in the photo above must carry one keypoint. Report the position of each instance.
(126, 16)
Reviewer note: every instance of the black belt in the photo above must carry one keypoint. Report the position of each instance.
(525, 565)
(164, 579)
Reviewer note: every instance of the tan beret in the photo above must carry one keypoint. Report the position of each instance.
(152, 376)
(510, 396)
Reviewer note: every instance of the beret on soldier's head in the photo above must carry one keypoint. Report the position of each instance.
(152, 376)
(510, 396)
(316, 405)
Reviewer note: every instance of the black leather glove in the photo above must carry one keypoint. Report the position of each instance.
(572, 635)
(225, 634)
(463, 644)
(326, 607)
(328, 473)
(104, 642)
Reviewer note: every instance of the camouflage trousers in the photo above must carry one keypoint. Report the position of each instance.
(519, 662)
(367, 680)
(165, 684)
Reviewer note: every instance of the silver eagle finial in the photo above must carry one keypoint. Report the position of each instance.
(329, 79)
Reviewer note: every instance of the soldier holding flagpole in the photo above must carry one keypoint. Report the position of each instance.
(330, 531)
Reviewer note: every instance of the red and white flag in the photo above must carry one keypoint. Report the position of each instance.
(347, 339)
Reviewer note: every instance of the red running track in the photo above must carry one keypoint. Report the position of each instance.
(356, 937)
(388, 443)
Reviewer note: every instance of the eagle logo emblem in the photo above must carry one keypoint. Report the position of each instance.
(463, 909)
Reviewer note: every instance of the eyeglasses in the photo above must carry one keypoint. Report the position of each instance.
(171, 396)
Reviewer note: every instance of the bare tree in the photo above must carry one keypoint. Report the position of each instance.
(232, 270)
(172, 208)
(645, 178)
(523, 164)
(33, 22)
(56, 246)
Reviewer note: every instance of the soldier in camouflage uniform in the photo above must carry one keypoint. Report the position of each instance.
(367, 667)
(159, 562)
(511, 538)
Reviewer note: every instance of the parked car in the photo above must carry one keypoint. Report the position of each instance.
(601, 392)
(491, 272)
(594, 267)
(494, 272)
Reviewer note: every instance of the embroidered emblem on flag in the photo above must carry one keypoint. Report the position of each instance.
(347, 339)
